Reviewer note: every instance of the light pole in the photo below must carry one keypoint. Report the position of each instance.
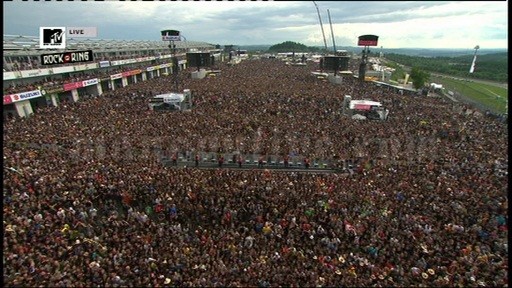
(472, 69)
(321, 25)
(171, 36)
(174, 64)
(332, 32)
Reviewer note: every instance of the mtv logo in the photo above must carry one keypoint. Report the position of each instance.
(52, 37)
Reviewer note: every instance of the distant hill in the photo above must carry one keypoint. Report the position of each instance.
(254, 48)
(440, 52)
(447, 52)
(290, 46)
(492, 67)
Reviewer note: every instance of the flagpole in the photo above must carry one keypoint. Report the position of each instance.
(472, 68)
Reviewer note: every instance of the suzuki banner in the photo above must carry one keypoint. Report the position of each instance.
(89, 82)
(24, 96)
(7, 99)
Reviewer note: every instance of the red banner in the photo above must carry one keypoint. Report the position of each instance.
(367, 43)
(362, 107)
(7, 99)
(130, 73)
(71, 86)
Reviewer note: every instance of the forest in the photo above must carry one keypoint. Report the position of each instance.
(290, 46)
(493, 67)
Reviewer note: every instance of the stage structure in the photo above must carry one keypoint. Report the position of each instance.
(334, 63)
(200, 59)
(171, 36)
(365, 41)
(186, 96)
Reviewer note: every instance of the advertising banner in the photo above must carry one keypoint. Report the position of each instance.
(7, 99)
(368, 40)
(67, 57)
(89, 82)
(104, 64)
(171, 35)
(25, 95)
(58, 70)
(55, 89)
(35, 72)
(72, 86)
(86, 66)
(116, 76)
(130, 73)
(10, 75)
(143, 59)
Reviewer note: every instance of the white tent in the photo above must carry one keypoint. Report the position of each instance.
(171, 97)
(175, 99)
(363, 104)
(359, 117)
(436, 86)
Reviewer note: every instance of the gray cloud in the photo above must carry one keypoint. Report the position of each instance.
(242, 24)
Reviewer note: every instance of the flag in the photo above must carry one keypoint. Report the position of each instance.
(473, 65)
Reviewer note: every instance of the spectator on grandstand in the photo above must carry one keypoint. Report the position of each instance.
(96, 207)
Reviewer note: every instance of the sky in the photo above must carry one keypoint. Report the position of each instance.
(399, 24)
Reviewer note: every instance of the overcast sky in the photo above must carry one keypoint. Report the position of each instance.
(399, 24)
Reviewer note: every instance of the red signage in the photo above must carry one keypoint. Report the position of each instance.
(71, 86)
(7, 99)
(130, 73)
(362, 107)
(367, 43)
(368, 40)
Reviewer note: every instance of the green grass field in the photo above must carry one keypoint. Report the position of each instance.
(493, 97)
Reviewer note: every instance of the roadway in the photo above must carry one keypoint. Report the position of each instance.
(488, 82)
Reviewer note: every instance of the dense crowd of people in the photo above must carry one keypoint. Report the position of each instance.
(20, 63)
(52, 82)
(87, 201)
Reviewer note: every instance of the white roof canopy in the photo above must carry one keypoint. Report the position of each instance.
(172, 97)
(354, 103)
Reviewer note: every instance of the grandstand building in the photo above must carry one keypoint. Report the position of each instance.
(116, 63)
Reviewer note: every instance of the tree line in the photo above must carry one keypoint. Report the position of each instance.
(492, 67)
(290, 46)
